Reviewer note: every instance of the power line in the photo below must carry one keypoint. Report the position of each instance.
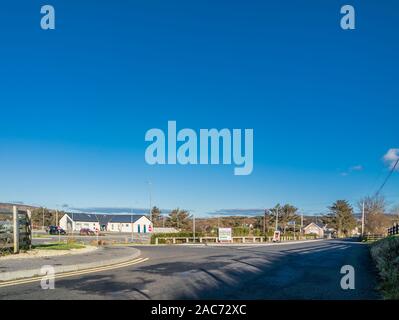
(387, 178)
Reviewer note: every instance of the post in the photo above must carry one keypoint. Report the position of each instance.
(277, 219)
(131, 225)
(29, 228)
(363, 219)
(194, 227)
(56, 224)
(149, 187)
(294, 229)
(72, 226)
(264, 223)
(43, 216)
(15, 229)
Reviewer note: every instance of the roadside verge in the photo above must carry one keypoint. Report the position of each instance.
(107, 256)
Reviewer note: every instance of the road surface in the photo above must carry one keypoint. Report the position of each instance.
(294, 271)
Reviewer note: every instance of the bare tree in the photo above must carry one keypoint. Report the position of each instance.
(375, 219)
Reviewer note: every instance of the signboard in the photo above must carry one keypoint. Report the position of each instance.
(149, 228)
(225, 234)
(277, 236)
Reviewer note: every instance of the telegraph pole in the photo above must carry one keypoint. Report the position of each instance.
(43, 216)
(264, 222)
(194, 227)
(363, 219)
(149, 187)
(277, 219)
(15, 228)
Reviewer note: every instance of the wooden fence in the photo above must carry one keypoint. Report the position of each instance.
(393, 230)
(249, 239)
(7, 230)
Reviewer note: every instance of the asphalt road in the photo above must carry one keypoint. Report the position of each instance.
(294, 271)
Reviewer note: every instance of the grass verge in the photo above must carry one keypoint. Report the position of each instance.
(385, 253)
(59, 246)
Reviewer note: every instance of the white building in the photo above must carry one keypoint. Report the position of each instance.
(106, 222)
(314, 228)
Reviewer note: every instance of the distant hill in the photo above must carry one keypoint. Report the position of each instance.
(8, 206)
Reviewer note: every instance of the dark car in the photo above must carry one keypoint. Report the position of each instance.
(56, 230)
(87, 232)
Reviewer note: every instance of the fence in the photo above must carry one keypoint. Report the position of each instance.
(373, 237)
(7, 230)
(393, 230)
(181, 240)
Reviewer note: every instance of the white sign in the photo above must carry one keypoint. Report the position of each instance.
(225, 234)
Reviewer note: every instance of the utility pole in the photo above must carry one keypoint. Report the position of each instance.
(363, 219)
(301, 222)
(56, 223)
(149, 187)
(194, 227)
(131, 225)
(277, 219)
(15, 228)
(43, 216)
(73, 220)
(264, 222)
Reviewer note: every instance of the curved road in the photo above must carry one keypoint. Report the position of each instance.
(290, 271)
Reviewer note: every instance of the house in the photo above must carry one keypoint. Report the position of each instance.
(106, 222)
(314, 228)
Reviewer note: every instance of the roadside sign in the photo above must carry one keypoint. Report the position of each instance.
(150, 228)
(291, 223)
(225, 234)
(277, 236)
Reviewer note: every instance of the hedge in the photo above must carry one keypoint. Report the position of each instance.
(385, 253)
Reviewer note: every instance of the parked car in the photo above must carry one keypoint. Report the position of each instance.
(87, 232)
(56, 230)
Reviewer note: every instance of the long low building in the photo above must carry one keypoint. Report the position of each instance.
(106, 222)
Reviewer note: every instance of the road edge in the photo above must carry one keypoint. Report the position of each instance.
(22, 274)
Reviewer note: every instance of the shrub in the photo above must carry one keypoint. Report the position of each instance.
(175, 235)
(386, 256)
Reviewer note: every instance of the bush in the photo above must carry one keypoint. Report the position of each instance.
(240, 232)
(386, 256)
(175, 235)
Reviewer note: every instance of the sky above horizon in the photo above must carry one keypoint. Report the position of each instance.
(77, 101)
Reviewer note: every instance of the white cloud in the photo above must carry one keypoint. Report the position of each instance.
(391, 157)
(351, 169)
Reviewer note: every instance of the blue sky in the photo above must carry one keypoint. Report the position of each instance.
(76, 101)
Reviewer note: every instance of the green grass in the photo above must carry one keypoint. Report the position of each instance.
(38, 236)
(59, 246)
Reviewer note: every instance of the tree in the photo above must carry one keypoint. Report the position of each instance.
(341, 217)
(49, 217)
(286, 213)
(395, 213)
(156, 216)
(178, 219)
(376, 222)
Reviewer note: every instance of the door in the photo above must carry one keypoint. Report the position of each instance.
(145, 229)
(138, 228)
